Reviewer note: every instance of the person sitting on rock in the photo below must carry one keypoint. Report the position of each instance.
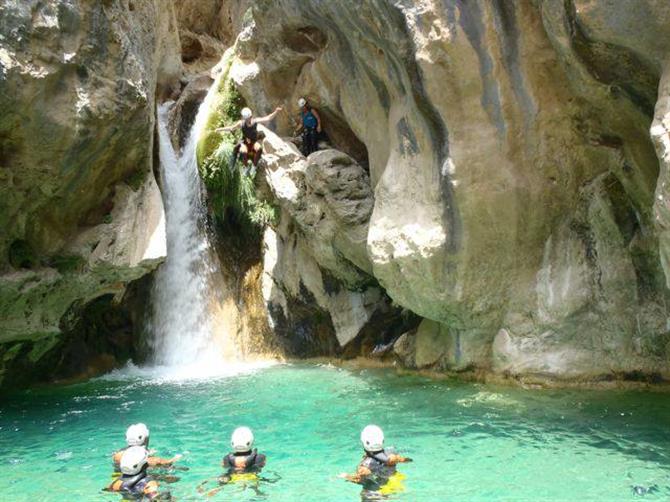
(138, 435)
(135, 482)
(250, 147)
(377, 470)
(310, 125)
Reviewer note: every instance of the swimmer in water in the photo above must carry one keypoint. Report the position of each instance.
(135, 483)
(243, 459)
(138, 435)
(377, 470)
(243, 465)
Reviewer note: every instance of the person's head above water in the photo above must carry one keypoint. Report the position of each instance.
(372, 438)
(242, 440)
(302, 102)
(134, 459)
(137, 435)
(246, 113)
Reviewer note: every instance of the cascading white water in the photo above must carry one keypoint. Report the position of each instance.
(184, 297)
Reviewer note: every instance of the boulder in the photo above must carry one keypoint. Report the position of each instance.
(430, 343)
(318, 250)
(404, 349)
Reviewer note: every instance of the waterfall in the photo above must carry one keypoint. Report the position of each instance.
(184, 331)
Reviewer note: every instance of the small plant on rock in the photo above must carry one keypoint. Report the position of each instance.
(232, 194)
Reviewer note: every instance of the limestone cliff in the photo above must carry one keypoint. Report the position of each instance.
(511, 163)
(80, 211)
(498, 171)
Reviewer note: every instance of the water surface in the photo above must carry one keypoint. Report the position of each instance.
(469, 441)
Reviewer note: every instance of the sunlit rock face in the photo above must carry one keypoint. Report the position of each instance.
(511, 165)
(316, 256)
(660, 133)
(80, 212)
(207, 28)
(500, 169)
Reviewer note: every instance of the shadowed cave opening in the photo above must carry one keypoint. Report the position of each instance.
(305, 39)
(343, 138)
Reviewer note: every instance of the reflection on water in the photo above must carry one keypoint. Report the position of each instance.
(469, 442)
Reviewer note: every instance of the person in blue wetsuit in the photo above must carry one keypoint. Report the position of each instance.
(310, 124)
(377, 470)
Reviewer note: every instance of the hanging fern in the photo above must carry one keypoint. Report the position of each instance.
(230, 190)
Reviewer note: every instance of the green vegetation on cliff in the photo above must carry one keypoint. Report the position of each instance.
(230, 190)
(232, 194)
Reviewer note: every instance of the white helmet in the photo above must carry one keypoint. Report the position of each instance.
(302, 102)
(242, 440)
(137, 435)
(133, 460)
(246, 113)
(372, 438)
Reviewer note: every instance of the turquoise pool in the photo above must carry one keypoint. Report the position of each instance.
(470, 442)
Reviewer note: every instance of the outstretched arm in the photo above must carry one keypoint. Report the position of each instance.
(268, 118)
(157, 461)
(151, 490)
(115, 486)
(230, 127)
(361, 473)
(394, 459)
(318, 120)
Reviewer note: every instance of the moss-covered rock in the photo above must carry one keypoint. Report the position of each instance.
(222, 101)
(231, 187)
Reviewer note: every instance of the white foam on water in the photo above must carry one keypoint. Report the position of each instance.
(187, 373)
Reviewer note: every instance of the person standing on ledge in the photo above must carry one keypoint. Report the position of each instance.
(250, 147)
(377, 470)
(310, 125)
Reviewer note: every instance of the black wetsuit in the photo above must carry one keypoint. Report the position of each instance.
(381, 469)
(250, 132)
(253, 462)
(250, 136)
(132, 487)
(310, 136)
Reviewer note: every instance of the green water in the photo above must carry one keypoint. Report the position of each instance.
(469, 442)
